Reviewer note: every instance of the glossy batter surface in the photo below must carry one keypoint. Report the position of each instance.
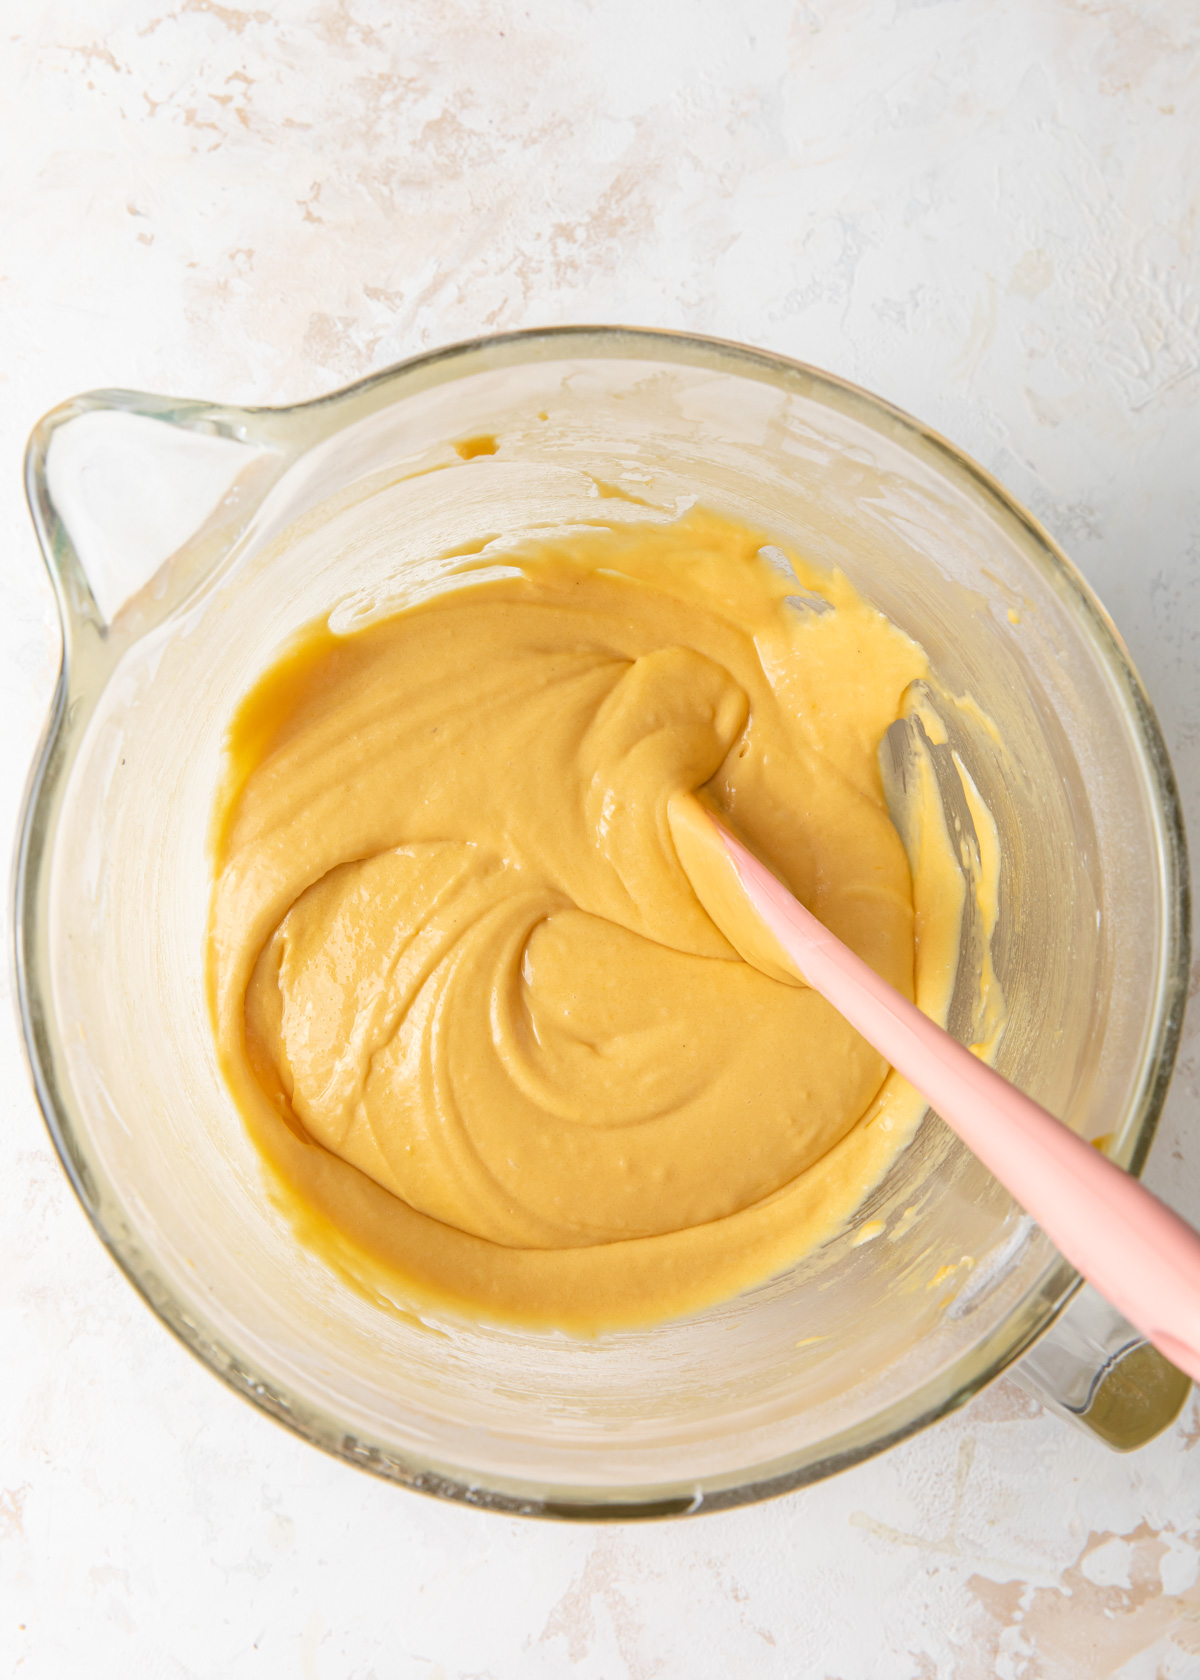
(475, 1016)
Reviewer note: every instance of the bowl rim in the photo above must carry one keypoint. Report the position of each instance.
(90, 650)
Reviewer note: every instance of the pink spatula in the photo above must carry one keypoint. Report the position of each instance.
(1142, 1257)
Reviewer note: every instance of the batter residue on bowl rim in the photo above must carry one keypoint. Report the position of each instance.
(476, 1020)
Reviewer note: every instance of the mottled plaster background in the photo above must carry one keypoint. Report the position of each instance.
(988, 214)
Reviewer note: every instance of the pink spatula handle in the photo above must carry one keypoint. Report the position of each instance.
(1142, 1257)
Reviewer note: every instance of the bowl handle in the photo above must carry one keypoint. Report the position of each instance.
(1094, 1369)
(137, 498)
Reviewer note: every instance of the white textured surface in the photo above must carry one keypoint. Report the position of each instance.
(988, 214)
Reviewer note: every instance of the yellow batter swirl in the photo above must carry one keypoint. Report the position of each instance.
(473, 1012)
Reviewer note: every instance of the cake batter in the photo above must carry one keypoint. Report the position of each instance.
(496, 1053)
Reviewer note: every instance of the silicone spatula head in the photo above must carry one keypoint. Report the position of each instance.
(711, 870)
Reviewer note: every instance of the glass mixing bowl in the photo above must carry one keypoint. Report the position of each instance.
(187, 541)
